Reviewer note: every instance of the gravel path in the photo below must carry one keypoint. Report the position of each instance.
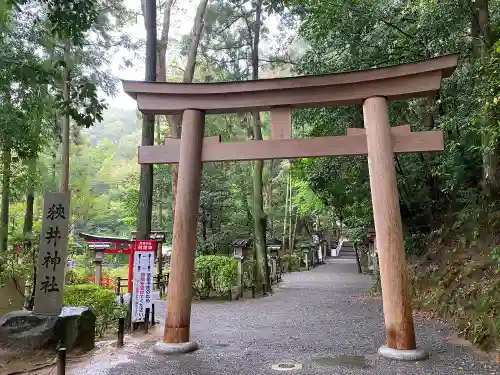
(318, 319)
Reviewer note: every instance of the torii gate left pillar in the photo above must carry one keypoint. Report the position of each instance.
(184, 235)
(372, 88)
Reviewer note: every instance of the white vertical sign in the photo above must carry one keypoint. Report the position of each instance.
(142, 278)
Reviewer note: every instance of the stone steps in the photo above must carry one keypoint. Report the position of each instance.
(347, 251)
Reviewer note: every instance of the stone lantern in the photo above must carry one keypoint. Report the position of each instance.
(308, 254)
(98, 257)
(273, 250)
(240, 252)
(372, 251)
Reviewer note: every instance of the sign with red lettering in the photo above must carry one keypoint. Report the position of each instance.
(142, 278)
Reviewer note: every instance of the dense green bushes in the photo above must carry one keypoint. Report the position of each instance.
(73, 277)
(101, 301)
(86, 275)
(296, 261)
(214, 272)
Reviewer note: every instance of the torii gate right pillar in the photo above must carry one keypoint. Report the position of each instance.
(389, 234)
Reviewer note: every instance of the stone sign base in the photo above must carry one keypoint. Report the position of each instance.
(74, 328)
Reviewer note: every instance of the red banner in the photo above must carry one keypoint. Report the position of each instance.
(145, 245)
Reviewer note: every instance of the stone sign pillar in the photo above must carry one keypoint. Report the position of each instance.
(53, 254)
(50, 324)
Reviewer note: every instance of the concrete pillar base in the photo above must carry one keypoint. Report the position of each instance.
(167, 348)
(403, 355)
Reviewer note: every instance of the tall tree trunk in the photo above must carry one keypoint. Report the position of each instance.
(204, 231)
(428, 109)
(54, 166)
(248, 210)
(161, 187)
(175, 121)
(357, 117)
(259, 218)
(481, 45)
(28, 224)
(161, 75)
(295, 228)
(286, 213)
(148, 125)
(64, 183)
(30, 197)
(270, 198)
(290, 209)
(6, 174)
(196, 33)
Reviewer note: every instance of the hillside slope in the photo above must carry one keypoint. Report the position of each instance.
(458, 278)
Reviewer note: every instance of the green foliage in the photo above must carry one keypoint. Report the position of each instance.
(84, 106)
(101, 301)
(380, 33)
(248, 272)
(415, 243)
(73, 277)
(117, 272)
(376, 287)
(305, 200)
(82, 273)
(14, 265)
(71, 19)
(495, 255)
(456, 293)
(296, 261)
(214, 272)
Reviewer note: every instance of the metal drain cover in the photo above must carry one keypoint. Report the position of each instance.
(287, 366)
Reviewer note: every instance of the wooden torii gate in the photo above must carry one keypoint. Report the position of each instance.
(372, 88)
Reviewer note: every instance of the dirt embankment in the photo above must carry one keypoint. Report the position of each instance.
(458, 280)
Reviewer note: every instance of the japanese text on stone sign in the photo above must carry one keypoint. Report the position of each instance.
(51, 258)
(53, 253)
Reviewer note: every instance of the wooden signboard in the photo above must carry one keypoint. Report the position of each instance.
(157, 236)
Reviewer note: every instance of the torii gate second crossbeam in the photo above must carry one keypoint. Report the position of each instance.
(373, 88)
(354, 143)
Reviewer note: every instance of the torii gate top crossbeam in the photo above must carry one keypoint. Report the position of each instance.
(395, 82)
